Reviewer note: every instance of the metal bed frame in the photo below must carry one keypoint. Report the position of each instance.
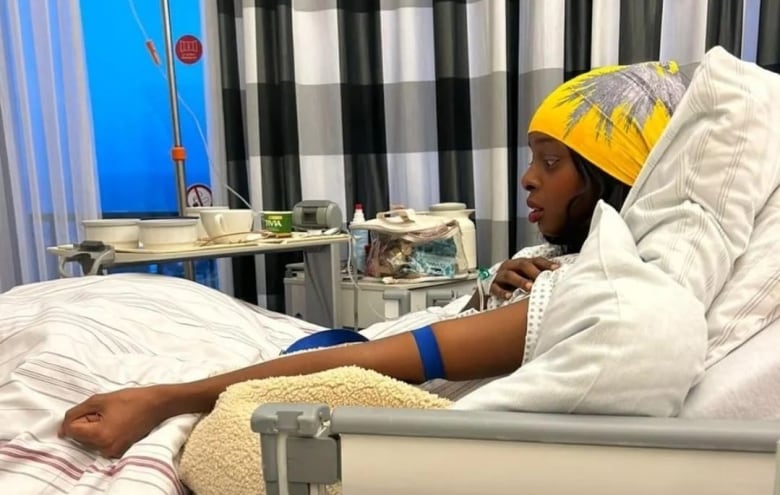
(376, 450)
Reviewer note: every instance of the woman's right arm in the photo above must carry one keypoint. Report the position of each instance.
(479, 346)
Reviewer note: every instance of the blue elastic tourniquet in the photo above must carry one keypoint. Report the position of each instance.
(433, 366)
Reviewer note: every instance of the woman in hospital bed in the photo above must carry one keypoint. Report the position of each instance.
(585, 147)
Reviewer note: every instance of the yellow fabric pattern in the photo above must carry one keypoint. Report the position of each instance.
(613, 116)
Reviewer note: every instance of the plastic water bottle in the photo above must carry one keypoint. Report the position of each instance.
(359, 239)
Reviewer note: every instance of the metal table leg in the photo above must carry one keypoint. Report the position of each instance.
(322, 268)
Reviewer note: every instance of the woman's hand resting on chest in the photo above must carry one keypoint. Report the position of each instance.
(519, 273)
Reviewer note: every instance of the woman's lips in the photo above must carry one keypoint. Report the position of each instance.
(535, 215)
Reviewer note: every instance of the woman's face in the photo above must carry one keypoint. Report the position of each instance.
(552, 182)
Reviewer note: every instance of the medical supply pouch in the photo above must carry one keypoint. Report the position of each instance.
(407, 245)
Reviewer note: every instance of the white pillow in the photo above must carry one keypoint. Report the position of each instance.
(750, 301)
(743, 363)
(693, 208)
(619, 337)
(742, 385)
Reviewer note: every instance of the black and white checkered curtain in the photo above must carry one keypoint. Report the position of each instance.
(415, 102)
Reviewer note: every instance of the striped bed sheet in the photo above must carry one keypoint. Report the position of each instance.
(62, 341)
(65, 340)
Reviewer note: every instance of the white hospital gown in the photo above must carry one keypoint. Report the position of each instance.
(539, 298)
(540, 292)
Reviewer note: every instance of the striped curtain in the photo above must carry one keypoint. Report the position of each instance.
(414, 102)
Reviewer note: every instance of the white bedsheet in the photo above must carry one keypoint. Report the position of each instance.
(62, 341)
(744, 384)
(65, 340)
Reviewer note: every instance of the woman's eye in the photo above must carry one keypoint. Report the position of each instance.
(545, 161)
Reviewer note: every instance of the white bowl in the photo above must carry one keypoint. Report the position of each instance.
(168, 233)
(117, 232)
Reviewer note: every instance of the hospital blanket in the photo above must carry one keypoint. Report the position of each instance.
(66, 340)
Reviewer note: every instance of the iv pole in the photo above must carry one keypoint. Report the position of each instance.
(178, 154)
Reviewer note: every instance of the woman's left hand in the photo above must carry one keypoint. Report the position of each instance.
(519, 273)
(111, 423)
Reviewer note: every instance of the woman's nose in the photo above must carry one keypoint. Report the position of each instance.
(529, 181)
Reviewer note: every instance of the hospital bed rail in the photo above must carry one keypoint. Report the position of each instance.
(412, 451)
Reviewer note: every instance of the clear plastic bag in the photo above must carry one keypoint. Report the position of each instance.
(405, 245)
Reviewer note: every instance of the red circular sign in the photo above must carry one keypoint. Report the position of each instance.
(189, 49)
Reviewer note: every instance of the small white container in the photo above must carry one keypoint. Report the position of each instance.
(122, 233)
(461, 214)
(168, 234)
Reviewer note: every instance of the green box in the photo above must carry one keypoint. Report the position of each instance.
(277, 222)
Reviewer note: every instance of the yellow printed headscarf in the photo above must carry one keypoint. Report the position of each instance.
(613, 116)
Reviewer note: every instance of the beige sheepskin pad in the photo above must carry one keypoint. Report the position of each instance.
(222, 455)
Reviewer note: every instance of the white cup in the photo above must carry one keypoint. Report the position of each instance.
(195, 211)
(227, 225)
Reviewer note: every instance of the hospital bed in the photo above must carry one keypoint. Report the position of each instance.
(374, 450)
(63, 340)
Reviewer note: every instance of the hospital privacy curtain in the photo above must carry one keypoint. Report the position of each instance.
(414, 102)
